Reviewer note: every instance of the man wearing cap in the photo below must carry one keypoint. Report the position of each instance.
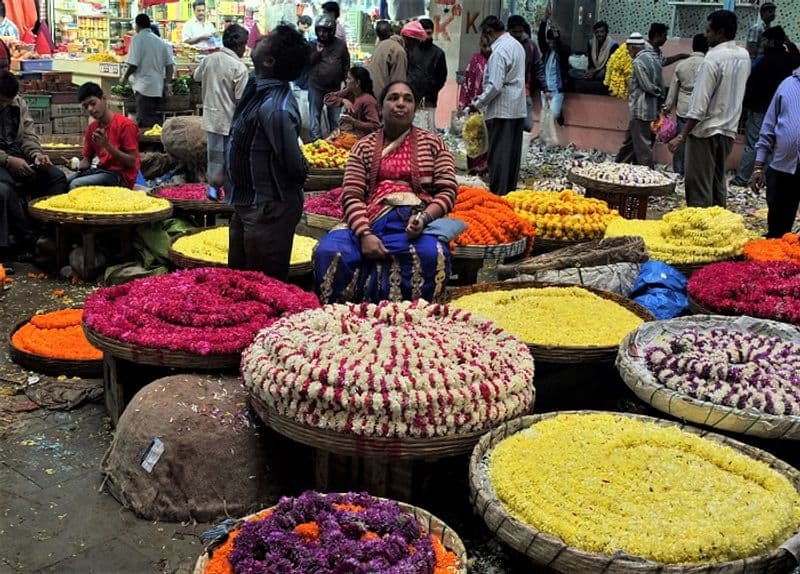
(503, 105)
(427, 75)
(644, 94)
(389, 61)
(755, 34)
(330, 61)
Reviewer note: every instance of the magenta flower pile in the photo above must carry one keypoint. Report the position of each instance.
(187, 192)
(328, 204)
(203, 311)
(763, 289)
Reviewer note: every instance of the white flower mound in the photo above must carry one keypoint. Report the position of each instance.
(410, 369)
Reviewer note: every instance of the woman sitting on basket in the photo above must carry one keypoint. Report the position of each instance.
(399, 183)
(360, 114)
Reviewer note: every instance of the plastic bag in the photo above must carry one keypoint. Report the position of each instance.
(476, 136)
(664, 128)
(547, 127)
(661, 289)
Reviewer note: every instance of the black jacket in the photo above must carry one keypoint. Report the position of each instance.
(768, 72)
(328, 67)
(427, 72)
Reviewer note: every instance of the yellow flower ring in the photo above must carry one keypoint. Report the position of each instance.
(99, 200)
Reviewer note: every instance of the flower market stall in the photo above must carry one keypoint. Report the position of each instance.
(192, 199)
(325, 165)
(740, 375)
(587, 491)
(324, 211)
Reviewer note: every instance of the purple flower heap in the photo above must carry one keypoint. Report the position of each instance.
(355, 533)
(731, 368)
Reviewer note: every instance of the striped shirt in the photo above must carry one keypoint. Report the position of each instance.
(503, 94)
(719, 90)
(645, 87)
(755, 33)
(780, 131)
(437, 175)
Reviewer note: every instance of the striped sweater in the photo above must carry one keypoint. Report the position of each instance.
(435, 175)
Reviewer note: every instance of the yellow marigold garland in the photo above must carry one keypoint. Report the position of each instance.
(212, 245)
(606, 483)
(474, 135)
(101, 200)
(618, 71)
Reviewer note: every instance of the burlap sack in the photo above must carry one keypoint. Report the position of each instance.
(215, 461)
(185, 140)
(155, 164)
(589, 254)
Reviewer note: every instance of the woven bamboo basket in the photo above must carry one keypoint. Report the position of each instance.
(549, 551)
(358, 446)
(564, 355)
(195, 205)
(427, 521)
(633, 369)
(543, 245)
(499, 251)
(620, 188)
(323, 179)
(96, 219)
(320, 221)
(50, 366)
(698, 309)
(161, 357)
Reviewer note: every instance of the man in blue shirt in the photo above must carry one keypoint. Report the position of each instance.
(264, 163)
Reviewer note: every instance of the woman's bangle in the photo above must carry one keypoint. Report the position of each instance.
(365, 233)
(427, 217)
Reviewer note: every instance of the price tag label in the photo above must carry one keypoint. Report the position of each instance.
(110, 68)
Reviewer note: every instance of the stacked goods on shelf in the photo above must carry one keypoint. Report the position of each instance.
(53, 104)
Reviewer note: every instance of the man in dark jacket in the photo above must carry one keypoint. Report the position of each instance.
(779, 59)
(427, 75)
(534, 66)
(265, 165)
(330, 61)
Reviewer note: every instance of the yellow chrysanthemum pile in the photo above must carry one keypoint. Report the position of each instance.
(99, 200)
(606, 483)
(555, 316)
(618, 71)
(563, 214)
(474, 135)
(321, 154)
(212, 245)
(687, 236)
(101, 57)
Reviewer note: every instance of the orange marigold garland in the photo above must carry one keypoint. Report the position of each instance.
(56, 335)
(787, 248)
(490, 219)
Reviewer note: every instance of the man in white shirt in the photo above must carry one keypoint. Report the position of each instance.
(198, 31)
(503, 105)
(223, 76)
(714, 111)
(151, 64)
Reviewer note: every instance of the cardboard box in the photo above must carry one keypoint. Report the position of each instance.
(43, 129)
(66, 110)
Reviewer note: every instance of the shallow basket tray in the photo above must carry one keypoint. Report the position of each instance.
(553, 354)
(499, 251)
(354, 445)
(161, 357)
(612, 187)
(96, 219)
(50, 366)
(317, 221)
(427, 521)
(542, 245)
(633, 370)
(323, 179)
(550, 551)
(195, 205)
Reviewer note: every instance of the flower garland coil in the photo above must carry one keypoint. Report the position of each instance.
(546, 548)
(672, 393)
(490, 220)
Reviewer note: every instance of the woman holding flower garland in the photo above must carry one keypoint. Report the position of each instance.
(398, 181)
(361, 115)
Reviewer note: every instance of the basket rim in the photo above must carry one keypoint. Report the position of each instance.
(470, 251)
(483, 496)
(95, 218)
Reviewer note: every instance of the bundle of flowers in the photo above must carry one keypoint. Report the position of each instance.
(562, 214)
(606, 483)
(619, 69)
(333, 533)
(763, 289)
(554, 316)
(474, 135)
(622, 173)
(490, 219)
(787, 248)
(328, 204)
(730, 368)
(56, 335)
(212, 245)
(689, 235)
(409, 369)
(188, 191)
(321, 154)
(101, 200)
(202, 311)
(345, 140)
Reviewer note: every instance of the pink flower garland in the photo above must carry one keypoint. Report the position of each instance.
(203, 311)
(764, 289)
(328, 203)
(189, 191)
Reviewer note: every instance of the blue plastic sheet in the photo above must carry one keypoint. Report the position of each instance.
(661, 289)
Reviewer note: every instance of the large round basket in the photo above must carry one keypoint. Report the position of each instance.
(317, 221)
(543, 245)
(620, 188)
(564, 355)
(549, 551)
(633, 369)
(50, 366)
(323, 179)
(429, 523)
(96, 218)
(161, 357)
(358, 446)
(698, 309)
(195, 205)
(496, 252)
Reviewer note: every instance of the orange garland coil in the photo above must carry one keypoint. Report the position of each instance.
(56, 335)
(490, 219)
(787, 248)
